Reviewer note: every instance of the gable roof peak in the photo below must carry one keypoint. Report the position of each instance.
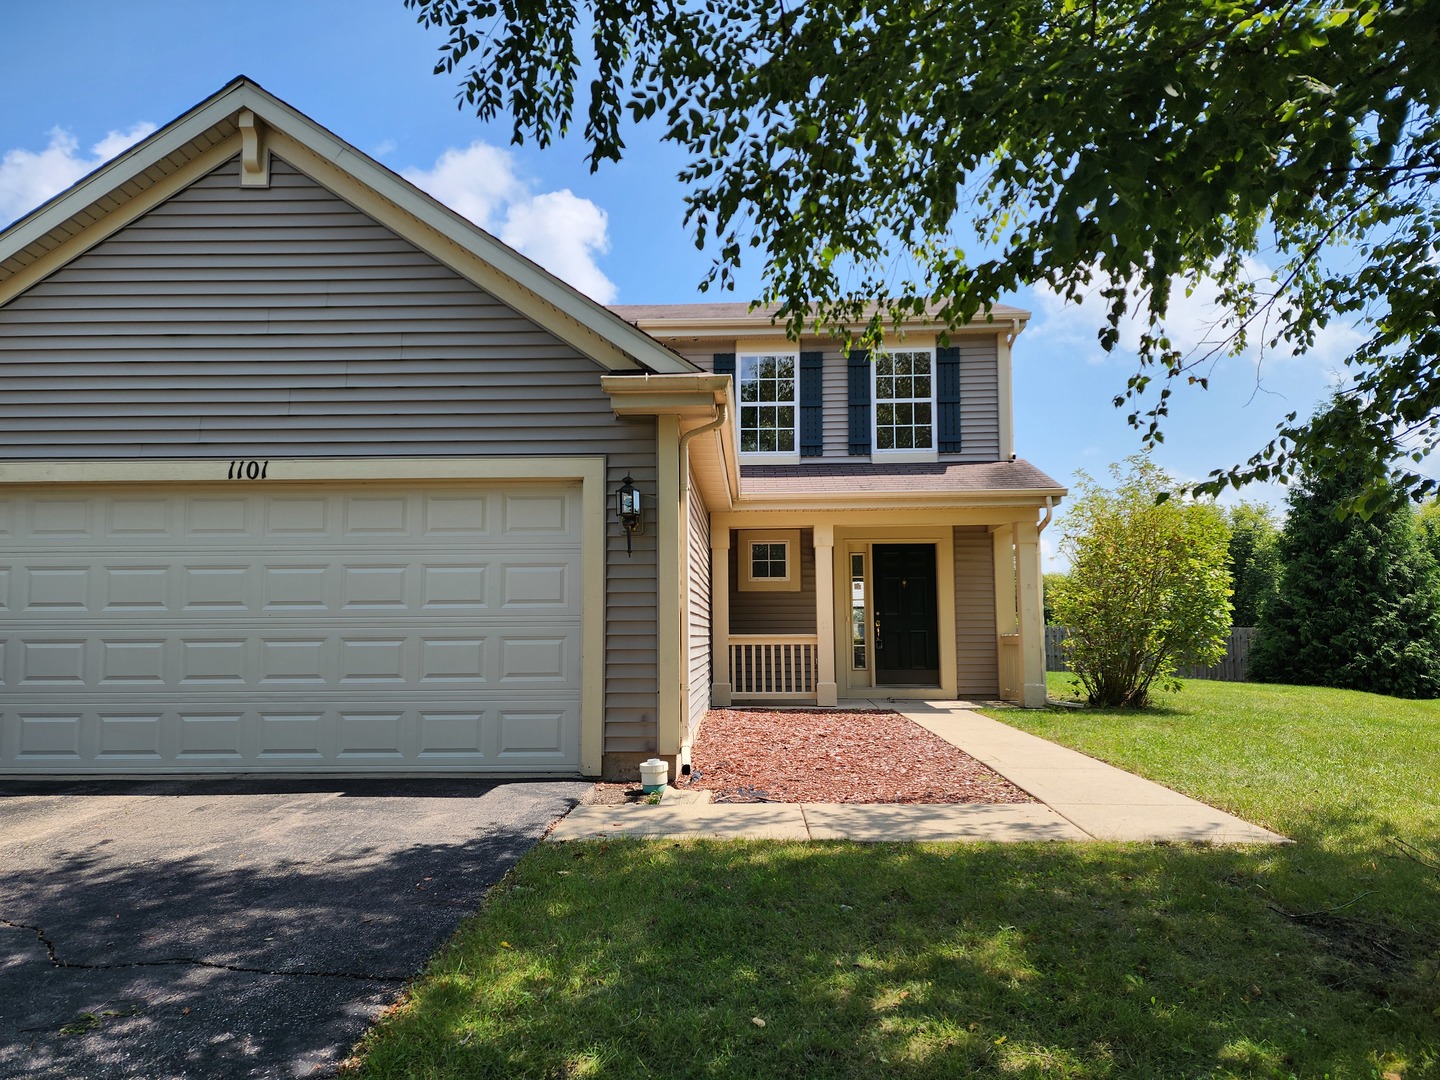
(205, 136)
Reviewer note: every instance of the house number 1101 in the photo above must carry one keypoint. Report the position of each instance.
(247, 470)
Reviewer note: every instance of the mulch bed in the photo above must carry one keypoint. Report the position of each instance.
(763, 755)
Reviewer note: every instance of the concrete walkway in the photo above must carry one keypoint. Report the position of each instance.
(1080, 799)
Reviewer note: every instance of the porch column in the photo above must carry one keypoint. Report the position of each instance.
(826, 692)
(1032, 614)
(719, 616)
(1003, 539)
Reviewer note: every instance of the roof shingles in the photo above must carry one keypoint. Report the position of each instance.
(822, 477)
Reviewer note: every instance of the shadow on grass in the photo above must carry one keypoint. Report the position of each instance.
(641, 959)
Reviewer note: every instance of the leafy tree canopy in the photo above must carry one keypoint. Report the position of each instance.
(1052, 583)
(1148, 586)
(1125, 145)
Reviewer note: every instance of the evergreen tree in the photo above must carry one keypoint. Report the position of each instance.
(1428, 518)
(1254, 560)
(1358, 606)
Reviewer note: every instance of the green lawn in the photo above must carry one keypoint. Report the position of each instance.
(1066, 960)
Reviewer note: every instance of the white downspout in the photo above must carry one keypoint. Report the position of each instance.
(685, 446)
(1040, 578)
(684, 586)
(1049, 513)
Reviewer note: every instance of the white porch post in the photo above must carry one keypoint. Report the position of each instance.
(1003, 538)
(720, 688)
(826, 692)
(1032, 614)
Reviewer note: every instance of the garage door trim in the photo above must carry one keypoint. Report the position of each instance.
(589, 471)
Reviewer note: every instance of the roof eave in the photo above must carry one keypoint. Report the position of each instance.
(884, 500)
(642, 350)
(750, 328)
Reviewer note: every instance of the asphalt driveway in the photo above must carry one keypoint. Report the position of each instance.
(234, 928)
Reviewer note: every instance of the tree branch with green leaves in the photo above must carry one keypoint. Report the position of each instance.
(1125, 147)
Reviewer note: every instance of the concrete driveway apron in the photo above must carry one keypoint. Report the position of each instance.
(234, 928)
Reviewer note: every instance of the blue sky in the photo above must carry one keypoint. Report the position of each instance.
(79, 80)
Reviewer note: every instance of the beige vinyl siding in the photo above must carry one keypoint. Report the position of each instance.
(976, 663)
(698, 577)
(282, 322)
(774, 612)
(702, 355)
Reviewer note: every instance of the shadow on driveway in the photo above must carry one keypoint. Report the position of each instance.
(230, 927)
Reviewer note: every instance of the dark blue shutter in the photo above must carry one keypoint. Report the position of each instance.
(859, 401)
(812, 405)
(947, 400)
(725, 365)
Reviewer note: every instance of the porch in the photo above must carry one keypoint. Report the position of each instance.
(826, 610)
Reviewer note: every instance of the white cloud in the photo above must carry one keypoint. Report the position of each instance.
(29, 177)
(561, 231)
(1195, 324)
(558, 229)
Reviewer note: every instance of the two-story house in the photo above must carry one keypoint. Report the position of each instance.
(859, 526)
(301, 472)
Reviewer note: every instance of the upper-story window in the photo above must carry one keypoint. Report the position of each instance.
(905, 402)
(767, 385)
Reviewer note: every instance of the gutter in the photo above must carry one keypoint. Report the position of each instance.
(682, 765)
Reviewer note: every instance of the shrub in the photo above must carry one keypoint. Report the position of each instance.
(1148, 586)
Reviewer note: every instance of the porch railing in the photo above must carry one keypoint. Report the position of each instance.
(773, 665)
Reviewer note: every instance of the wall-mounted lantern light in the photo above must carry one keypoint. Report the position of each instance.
(627, 509)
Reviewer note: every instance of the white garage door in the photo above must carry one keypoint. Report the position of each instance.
(291, 629)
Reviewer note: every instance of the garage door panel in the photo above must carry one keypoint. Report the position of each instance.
(55, 589)
(280, 515)
(61, 519)
(298, 736)
(541, 653)
(210, 737)
(130, 738)
(296, 629)
(479, 584)
(526, 516)
(137, 663)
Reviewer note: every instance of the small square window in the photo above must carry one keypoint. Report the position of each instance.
(768, 560)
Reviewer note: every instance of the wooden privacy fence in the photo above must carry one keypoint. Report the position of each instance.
(1235, 667)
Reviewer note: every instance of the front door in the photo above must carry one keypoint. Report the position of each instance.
(907, 646)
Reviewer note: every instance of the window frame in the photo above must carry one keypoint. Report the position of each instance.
(748, 538)
(904, 454)
(774, 457)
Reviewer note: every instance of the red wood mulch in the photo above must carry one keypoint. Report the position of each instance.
(762, 755)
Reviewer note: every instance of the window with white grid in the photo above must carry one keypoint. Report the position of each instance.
(905, 401)
(767, 385)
